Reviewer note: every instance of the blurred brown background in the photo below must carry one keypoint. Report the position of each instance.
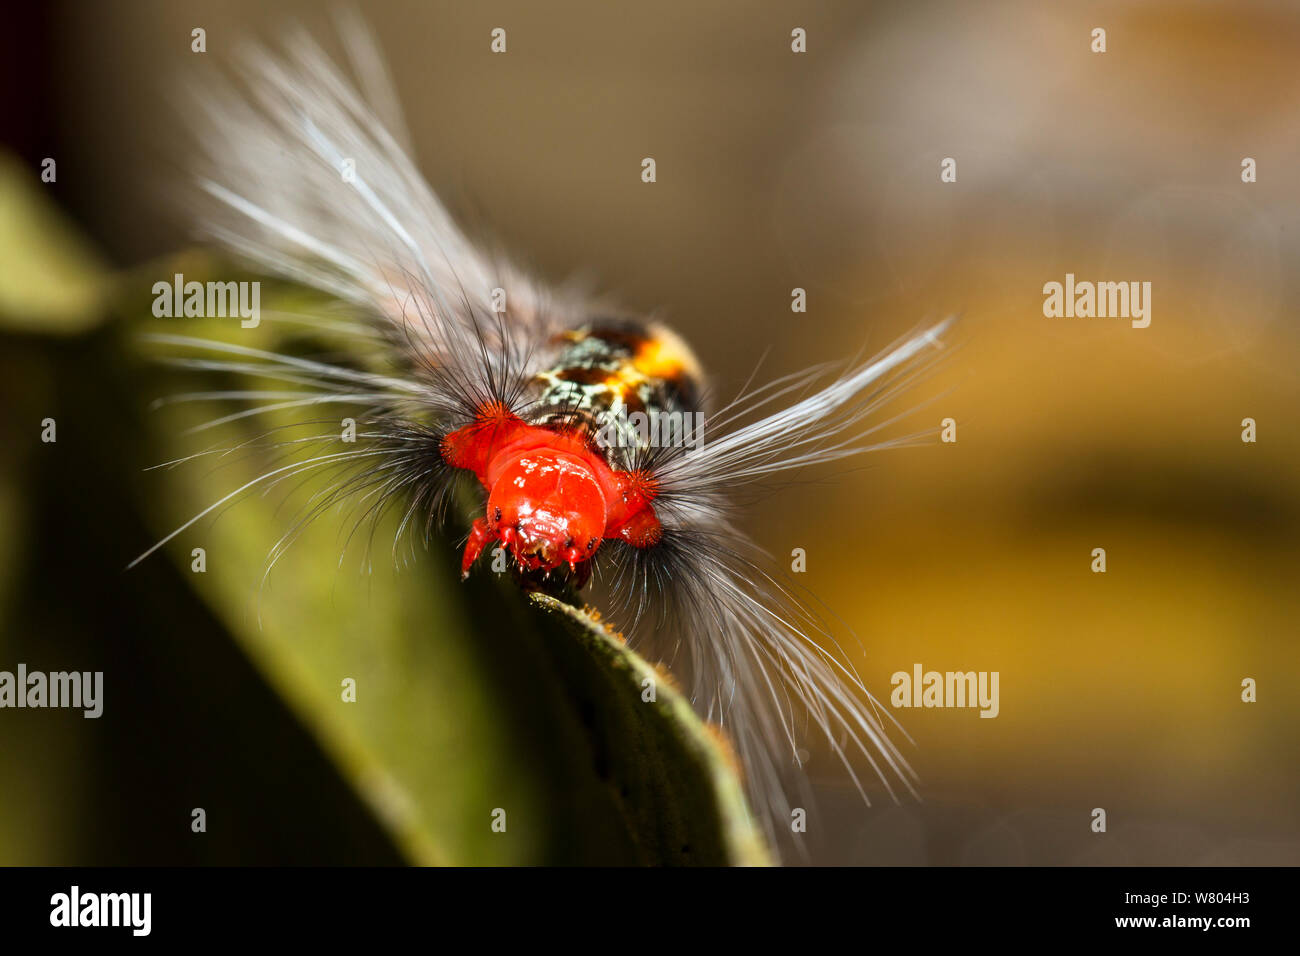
(821, 171)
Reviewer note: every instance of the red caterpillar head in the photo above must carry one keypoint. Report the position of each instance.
(547, 507)
(552, 498)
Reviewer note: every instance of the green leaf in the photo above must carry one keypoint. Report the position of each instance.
(682, 797)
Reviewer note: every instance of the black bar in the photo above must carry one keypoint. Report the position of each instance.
(980, 905)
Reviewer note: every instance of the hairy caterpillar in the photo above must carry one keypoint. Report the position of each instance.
(314, 182)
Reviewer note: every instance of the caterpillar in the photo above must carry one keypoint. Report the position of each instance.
(554, 408)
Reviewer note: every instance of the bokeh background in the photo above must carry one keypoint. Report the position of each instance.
(775, 171)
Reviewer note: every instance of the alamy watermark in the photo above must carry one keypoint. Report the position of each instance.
(130, 910)
(1102, 300)
(79, 690)
(214, 300)
(946, 689)
(654, 429)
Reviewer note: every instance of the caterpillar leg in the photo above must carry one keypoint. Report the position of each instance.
(480, 536)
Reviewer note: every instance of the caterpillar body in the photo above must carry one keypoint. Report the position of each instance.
(537, 398)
